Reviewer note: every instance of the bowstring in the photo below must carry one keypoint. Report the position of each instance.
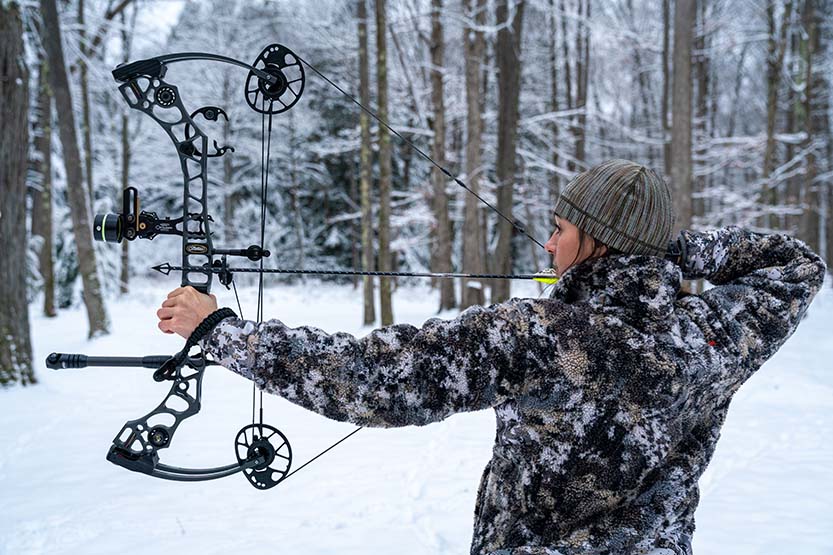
(264, 188)
(265, 158)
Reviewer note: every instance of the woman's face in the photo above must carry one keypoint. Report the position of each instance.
(565, 248)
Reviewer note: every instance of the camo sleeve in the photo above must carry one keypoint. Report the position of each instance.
(763, 286)
(395, 376)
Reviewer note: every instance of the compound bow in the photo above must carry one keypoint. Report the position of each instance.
(274, 84)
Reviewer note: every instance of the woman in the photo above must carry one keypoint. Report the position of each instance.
(609, 396)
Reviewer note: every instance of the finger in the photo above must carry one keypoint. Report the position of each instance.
(165, 313)
(162, 325)
(177, 292)
(170, 302)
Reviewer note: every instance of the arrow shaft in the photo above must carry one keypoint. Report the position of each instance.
(166, 268)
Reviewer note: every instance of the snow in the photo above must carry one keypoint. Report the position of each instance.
(405, 491)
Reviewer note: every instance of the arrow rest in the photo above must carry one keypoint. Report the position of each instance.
(224, 275)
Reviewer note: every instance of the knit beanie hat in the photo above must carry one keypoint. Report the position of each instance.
(623, 204)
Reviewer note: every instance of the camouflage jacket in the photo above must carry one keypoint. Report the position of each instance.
(609, 395)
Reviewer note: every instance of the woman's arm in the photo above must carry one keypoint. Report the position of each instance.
(763, 286)
(395, 376)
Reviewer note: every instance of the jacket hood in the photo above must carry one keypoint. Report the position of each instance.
(640, 286)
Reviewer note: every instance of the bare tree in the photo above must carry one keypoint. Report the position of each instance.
(86, 131)
(42, 191)
(666, 85)
(681, 171)
(776, 46)
(15, 345)
(509, 85)
(96, 313)
(475, 48)
(385, 302)
(568, 72)
(366, 165)
(582, 71)
(701, 67)
(126, 42)
(814, 124)
(442, 235)
(552, 44)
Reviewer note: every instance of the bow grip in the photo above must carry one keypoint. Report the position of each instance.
(198, 283)
(205, 289)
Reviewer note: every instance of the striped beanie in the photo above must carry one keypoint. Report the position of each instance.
(623, 204)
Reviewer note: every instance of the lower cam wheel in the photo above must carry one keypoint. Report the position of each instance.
(261, 440)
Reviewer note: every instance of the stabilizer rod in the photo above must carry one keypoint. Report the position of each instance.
(60, 361)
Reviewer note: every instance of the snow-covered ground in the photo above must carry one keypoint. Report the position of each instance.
(769, 489)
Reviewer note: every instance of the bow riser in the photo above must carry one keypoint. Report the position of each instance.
(161, 101)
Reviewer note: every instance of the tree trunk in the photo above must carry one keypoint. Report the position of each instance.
(791, 221)
(15, 345)
(124, 276)
(442, 240)
(825, 13)
(828, 220)
(666, 85)
(42, 195)
(701, 70)
(809, 229)
(568, 74)
(555, 182)
(229, 194)
(355, 229)
(125, 158)
(86, 119)
(684, 14)
(732, 124)
(475, 47)
(366, 164)
(96, 313)
(775, 62)
(509, 86)
(385, 302)
(582, 71)
(644, 119)
(295, 203)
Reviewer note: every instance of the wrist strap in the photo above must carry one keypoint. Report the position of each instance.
(169, 369)
(207, 325)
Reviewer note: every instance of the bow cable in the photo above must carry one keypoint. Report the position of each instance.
(515, 224)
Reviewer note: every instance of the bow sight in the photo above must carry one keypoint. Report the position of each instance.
(133, 224)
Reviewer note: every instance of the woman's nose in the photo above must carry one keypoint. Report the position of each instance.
(551, 244)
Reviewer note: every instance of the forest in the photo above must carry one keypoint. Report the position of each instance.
(505, 100)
